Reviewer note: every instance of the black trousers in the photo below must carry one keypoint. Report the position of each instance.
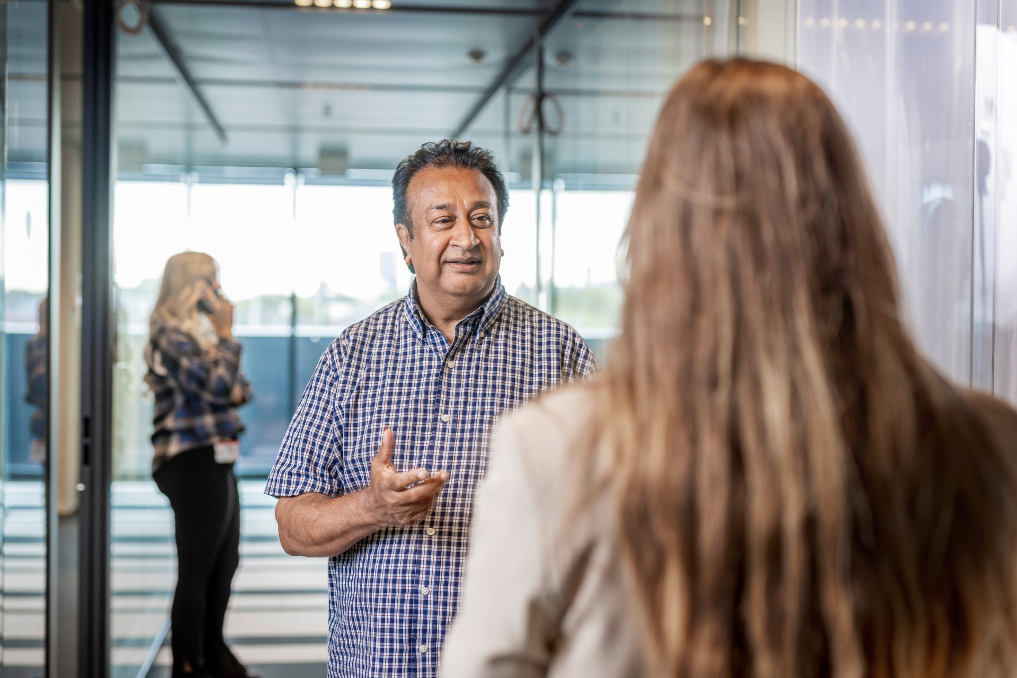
(206, 510)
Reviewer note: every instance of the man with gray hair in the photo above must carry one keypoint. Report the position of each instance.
(382, 458)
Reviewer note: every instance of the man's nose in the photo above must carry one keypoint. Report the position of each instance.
(463, 236)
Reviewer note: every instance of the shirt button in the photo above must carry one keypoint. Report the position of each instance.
(430, 532)
(423, 649)
(445, 418)
(424, 590)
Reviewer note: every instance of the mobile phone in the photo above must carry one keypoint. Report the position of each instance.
(206, 307)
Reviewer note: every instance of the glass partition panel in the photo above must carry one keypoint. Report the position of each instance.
(25, 316)
(1001, 200)
(902, 74)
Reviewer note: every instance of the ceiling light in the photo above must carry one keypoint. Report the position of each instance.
(323, 3)
(362, 4)
(877, 24)
(381, 4)
(860, 23)
(563, 59)
(476, 56)
(707, 21)
(343, 3)
(304, 3)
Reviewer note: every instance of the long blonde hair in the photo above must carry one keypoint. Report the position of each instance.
(184, 280)
(799, 493)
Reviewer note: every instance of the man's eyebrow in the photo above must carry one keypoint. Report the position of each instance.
(450, 208)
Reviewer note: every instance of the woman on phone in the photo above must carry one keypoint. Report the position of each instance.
(194, 372)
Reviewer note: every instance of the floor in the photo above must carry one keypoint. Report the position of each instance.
(276, 623)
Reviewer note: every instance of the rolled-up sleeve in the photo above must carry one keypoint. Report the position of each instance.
(310, 458)
(504, 627)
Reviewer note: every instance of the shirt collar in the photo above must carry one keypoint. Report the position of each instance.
(487, 312)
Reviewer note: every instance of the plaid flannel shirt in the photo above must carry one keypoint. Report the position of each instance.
(193, 389)
(393, 594)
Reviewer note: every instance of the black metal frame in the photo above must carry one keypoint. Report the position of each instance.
(170, 51)
(98, 339)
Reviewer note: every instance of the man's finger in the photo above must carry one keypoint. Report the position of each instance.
(428, 488)
(384, 456)
(402, 481)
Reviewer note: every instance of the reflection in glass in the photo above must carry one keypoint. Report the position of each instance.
(902, 75)
(25, 239)
(1001, 199)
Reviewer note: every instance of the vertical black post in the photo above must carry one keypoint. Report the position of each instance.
(98, 340)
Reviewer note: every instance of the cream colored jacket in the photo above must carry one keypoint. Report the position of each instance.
(543, 592)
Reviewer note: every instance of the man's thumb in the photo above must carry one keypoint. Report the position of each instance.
(384, 456)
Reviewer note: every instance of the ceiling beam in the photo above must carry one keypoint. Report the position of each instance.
(514, 66)
(395, 9)
(183, 75)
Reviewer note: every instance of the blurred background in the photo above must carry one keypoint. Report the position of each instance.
(265, 133)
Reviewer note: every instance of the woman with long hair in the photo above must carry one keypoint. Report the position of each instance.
(194, 372)
(768, 480)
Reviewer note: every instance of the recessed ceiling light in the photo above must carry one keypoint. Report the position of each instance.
(343, 3)
(362, 4)
(323, 3)
(707, 21)
(304, 3)
(381, 4)
(476, 56)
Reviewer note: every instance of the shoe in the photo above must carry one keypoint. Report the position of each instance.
(230, 666)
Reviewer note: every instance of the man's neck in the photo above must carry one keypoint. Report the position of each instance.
(444, 312)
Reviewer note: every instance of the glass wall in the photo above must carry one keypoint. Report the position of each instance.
(927, 88)
(24, 186)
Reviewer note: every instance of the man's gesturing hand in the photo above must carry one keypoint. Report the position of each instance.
(400, 498)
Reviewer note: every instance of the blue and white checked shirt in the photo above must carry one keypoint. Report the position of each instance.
(393, 595)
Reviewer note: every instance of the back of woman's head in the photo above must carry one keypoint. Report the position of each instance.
(799, 493)
(186, 276)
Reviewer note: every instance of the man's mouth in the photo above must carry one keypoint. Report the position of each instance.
(464, 263)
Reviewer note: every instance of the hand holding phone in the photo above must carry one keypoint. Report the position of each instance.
(219, 311)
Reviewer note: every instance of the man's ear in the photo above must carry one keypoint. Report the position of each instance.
(404, 235)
